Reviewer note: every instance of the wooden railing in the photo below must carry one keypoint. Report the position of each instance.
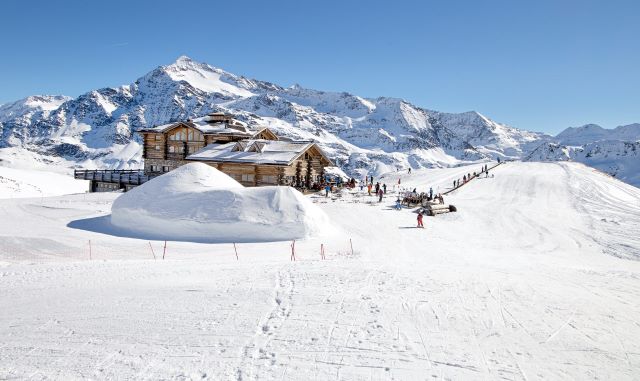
(120, 176)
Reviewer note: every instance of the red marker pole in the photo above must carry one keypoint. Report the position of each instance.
(322, 251)
(165, 250)
(236, 250)
(293, 250)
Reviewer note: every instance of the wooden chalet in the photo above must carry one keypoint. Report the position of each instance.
(166, 147)
(256, 162)
(253, 157)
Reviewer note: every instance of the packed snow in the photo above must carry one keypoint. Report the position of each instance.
(535, 277)
(198, 202)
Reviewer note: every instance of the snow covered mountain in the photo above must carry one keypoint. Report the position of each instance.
(97, 129)
(489, 137)
(614, 151)
(592, 132)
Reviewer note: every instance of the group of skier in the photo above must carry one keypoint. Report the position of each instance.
(380, 189)
(466, 178)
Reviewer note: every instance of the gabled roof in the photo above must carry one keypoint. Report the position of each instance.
(255, 152)
(210, 127)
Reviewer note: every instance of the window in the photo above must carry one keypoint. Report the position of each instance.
(165, 168)
(172, 149)
(154, 168)
(306, 156)
(157, 148)
(270, 179)
(247, 178)
(158, 137)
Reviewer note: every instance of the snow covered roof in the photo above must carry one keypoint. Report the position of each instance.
(208, 125)
(256, 151)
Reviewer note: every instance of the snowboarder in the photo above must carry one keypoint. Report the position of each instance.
(384, 187)
(420, 220)
(380, 193)
(327, 189)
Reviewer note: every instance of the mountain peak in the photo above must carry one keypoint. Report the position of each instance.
(184, 59)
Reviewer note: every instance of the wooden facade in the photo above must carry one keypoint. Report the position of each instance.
(165, 149)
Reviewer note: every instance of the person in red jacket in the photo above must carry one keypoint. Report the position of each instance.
(420, 220)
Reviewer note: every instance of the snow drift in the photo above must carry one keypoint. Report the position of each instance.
(198, 202)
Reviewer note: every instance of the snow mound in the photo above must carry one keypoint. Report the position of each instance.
(198, 202)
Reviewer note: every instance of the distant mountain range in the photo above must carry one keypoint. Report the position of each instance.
(97, 129)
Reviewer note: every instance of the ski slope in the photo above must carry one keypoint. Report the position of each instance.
(536, 277)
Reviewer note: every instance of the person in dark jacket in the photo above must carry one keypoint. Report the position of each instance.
(384, 187)
(380, 193)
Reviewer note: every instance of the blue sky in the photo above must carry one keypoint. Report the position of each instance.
(538, 65)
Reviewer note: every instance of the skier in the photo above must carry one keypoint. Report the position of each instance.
(372, 179)
(430, 192)
(398, 204)
(384, 187)
(420, 220)
(498, 159)
(409, 170)
(369, 189)
(380, 193)
(377, 187)
(398, 181)
(327, 189)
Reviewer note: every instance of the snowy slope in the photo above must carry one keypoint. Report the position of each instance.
(535, 277)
